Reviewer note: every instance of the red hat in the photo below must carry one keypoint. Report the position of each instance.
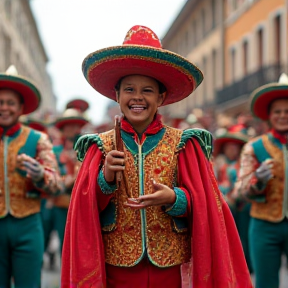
(262, 97)
(142, 54)
(233, 135)
(27, 90)
(78, 104)
(34, 124)
(70, 116)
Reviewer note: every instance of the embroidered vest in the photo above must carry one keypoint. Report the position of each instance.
(272, 209)
(13, 184)
(151, 231)
(63, 200)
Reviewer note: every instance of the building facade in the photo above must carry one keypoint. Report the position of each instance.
(238, 44)
(20, 45)
(198, 34)
(255, 49)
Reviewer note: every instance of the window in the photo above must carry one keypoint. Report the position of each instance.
(245, 57)
(214, 64)
(277, 33)
(233, 64)
(213, 7)
(194, 31)
(7, 52)
(203, 16)
(260, 47)
(8, 8)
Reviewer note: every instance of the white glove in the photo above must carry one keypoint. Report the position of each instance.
(264, 172)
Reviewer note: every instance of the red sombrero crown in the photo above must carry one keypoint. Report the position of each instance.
(142, 54)
(79, 104)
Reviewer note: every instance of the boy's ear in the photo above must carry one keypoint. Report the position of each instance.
(161, 98)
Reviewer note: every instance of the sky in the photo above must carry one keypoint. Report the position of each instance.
(72, 29)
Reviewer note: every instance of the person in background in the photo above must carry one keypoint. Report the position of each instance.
(228, 147)
(143, 185)
(37, 125)
(263, 180)
(70, 125)
(28, 171)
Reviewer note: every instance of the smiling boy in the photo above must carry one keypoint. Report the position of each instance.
(28, 169)
(139, 233)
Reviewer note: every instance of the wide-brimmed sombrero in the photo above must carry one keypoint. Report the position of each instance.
(262, 97)
(37, 125)
(142, 54)
(78, 104)
(24, 87)
(33, 123)
(70, 116)
(232, 135)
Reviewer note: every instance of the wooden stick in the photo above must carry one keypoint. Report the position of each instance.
(119, 147)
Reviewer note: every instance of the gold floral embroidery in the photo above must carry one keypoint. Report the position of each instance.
(123, 246)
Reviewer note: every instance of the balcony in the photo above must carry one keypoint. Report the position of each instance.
(246, 85)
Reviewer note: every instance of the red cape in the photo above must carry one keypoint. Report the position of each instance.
(218, 260)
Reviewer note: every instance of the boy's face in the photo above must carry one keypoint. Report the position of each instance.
(10, 108)
(69, 131)
(139, 99)
(278, 115)
(232, 150)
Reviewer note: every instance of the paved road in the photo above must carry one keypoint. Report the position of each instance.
(283, 275)
(51, 279)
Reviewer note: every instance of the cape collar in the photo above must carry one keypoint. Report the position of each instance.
(153, 128)
(282, 138)
(11, 130)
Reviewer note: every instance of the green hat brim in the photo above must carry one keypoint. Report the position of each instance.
(262, 97)
(220, 141)
(61, 122)
(104, 68)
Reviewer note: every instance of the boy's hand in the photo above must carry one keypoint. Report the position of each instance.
(114, 162)
(264, 172)
(33, 168)
(163, 195)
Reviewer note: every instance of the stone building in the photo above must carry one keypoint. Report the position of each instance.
(238, 44)
(20, 45)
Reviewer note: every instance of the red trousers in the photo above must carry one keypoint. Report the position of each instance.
(143, 275)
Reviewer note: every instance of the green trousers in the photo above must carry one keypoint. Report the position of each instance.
(47, 221)
(53, 219)
(21, 251)
(242, 220)
(61, 215)
(267, 242)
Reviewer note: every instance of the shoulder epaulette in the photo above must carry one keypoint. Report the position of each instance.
(203, 137)
(84, 142)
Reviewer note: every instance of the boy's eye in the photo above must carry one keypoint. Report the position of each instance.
(128, 89)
